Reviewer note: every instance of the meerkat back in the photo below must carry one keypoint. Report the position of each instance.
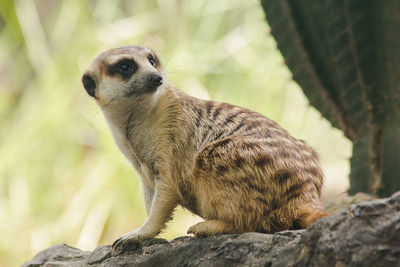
(234, 167)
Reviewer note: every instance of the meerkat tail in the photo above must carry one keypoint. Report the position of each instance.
(310, 215)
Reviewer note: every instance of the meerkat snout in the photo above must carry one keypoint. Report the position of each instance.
(155, 80)
(89, 84)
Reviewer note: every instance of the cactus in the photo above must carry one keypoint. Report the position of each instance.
(345, 55)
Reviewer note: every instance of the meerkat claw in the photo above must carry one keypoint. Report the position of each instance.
(129, 241)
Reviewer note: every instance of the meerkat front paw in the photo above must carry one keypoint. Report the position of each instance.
(128, 241)
(210, 227)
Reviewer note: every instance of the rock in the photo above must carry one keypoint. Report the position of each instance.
(366, 235)
(344, 202)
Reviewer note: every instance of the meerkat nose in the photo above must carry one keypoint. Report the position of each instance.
(155, 80)
(89, 84)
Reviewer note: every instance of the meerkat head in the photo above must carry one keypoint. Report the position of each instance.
(123, 73)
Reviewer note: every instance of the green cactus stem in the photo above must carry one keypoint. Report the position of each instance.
(345, 55)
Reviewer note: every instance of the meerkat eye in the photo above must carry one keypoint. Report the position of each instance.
(152, 60)
(125, 68)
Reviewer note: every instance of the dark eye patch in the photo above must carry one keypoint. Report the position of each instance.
(124, 68)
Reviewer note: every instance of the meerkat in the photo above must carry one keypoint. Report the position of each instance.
(233, 167)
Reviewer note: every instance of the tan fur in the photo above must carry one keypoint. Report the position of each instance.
(235, 168)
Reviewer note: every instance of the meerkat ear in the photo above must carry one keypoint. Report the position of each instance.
(89, 84)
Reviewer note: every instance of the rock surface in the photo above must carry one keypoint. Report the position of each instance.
(366, 235)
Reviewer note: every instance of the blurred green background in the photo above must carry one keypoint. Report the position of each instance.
(62, 178)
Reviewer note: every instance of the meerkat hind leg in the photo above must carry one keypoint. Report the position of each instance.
(211, 227)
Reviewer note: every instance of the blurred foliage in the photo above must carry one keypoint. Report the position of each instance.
(62, 178)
